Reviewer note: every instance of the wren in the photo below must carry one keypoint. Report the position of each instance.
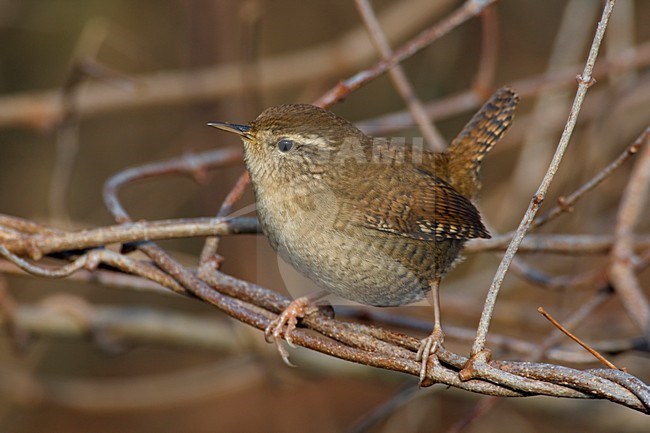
(369, 219)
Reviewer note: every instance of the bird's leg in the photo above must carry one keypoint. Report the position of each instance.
(429, 345)
(287, 321)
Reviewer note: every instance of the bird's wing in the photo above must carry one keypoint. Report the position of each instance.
(409, 201)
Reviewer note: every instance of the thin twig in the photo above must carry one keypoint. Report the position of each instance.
(468, 100)
(555, 244)
(370, 346)
(431, 134)
(190, 164)
(584, 82)
(104, 277)
(631, 213)
(211, 245)
(553, 282)
(538, 141)
(569, 334)
(539, 352)
(256, 306)
(345, 54)
(468, 10)
(565, 204)
(87, 46)
(488, 61)
(90, 261)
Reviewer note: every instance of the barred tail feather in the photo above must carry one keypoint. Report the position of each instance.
(480, 134)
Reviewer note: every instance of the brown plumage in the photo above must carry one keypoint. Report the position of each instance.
(371, 220)
(481, 133)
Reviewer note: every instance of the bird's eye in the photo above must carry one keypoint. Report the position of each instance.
(285, 145)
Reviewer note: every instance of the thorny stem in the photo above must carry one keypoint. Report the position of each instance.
(584, 82)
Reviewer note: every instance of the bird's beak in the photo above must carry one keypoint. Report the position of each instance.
(241, 130)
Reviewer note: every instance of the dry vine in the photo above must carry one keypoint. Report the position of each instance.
(86, 256)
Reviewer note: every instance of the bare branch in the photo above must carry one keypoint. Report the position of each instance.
(43, 110)
(585, 81)
(468, 10)
(631, 212)
(431, 134)
(84, 256)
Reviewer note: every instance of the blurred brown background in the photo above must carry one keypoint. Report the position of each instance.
(69, 384)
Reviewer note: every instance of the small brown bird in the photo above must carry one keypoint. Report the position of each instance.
(368, 219)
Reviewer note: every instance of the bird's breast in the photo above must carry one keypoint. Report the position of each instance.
(364, 265)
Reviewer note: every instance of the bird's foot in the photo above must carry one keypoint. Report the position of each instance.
(428, 348)
(286, 323)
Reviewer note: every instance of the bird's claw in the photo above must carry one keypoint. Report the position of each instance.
(428, 348)
(286, 323)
